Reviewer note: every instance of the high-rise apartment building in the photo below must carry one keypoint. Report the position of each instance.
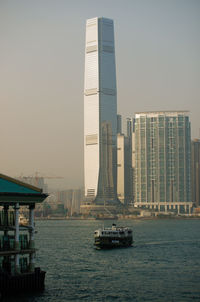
(195, 156)
(130, 123)
(119, 124)
(162, 160)
(130, 126)
(121, 167)
(100, 111)
(125, 167)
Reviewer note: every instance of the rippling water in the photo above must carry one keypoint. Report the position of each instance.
(163, 264)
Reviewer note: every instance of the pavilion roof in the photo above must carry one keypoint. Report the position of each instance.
(13, 191)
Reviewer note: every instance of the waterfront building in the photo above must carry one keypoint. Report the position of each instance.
(162, 160)
(195, 175)
(100, 112)
(77, 197)
(71, 199)
(17, 245)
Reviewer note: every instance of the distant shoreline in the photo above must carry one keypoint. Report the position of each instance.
(121, 218)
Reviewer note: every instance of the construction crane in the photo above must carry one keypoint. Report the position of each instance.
(38, 175)
(37, 178)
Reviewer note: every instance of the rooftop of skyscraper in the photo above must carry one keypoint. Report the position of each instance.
(167, 112)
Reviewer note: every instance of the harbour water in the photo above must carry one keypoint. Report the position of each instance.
(162, 265)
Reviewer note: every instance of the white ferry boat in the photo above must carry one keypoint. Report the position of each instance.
(113, 237)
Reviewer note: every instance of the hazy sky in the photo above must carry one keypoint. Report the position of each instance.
(157, 46)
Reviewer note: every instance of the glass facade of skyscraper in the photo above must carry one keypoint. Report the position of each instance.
(100, 111)
(195, 156)
(162, 157)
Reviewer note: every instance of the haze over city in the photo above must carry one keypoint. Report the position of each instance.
(157, 49)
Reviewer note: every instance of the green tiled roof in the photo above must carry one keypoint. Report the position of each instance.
(12, 190)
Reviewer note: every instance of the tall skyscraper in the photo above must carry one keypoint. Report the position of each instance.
(129, 168)
(125, 166)
(195, 172)
(121, 167)
(162, 160)
(119, 123)
(100, 111)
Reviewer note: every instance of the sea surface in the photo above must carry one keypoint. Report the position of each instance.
(162, 265)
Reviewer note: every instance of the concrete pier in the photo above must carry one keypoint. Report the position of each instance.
(167, 206)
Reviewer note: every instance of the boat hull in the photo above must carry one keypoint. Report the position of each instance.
(112, 242)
